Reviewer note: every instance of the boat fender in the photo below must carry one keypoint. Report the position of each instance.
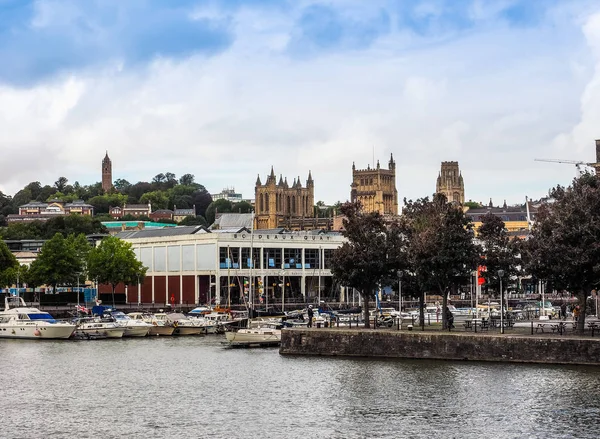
(37, 333)
(155, 324)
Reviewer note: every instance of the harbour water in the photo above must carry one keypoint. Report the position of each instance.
(193, 387)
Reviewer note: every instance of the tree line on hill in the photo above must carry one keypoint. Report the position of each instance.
(432, 248)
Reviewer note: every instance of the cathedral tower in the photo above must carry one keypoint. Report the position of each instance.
(277, 201)
(450, 183)
(376, 188)
(106, 174)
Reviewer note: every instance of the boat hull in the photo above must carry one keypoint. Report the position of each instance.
(28, 331)
(253, 336)
(140, 331)
(188, 330)
(162, 330)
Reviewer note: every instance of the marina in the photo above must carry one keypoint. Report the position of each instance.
(206, 390)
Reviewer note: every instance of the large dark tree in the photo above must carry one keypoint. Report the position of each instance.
(441, 251)
(201, 199)
(564, 246)
(363, 261)
(218, 206)
(112, 262)
(60, 261)
(498, 251)
(8, 262)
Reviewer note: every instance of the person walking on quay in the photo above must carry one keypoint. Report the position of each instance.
(311, 313)
(563, 311)
(576, 313)
(449, 318)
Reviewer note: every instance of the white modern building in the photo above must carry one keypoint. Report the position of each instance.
(191, 265)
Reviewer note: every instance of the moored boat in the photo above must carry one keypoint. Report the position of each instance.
(96, 327)
(182, 325)
(159, 327)
(258, 334)
(20, 321)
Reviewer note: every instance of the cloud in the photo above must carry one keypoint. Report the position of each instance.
(226, 91)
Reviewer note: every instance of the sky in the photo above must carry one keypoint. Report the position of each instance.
(226, 89)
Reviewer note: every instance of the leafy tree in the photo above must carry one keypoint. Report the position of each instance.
(441, 251)
(564, 245)
(60, 261)
(219, 206)
(193, 221)
(186, 179)
(472, 204)
(498, 252)
(201, 199)
(181, 196)
(363, 261)
(46, 193)
(8, 262)
(113, 261)
(102, 203)
(158, 199)
(137, 190)
(158, 181)
(121, 185)
(241, 207)
(24, 230)
(74, 224)
(61, 184)
(24, 196)
(170, 180)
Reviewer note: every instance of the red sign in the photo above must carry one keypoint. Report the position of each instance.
(172, 299)
(480, 279)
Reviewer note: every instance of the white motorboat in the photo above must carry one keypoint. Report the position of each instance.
(159, 327)
(20, 321)
(183, 325)
(133, 328)
(258, 334)
(95, 327)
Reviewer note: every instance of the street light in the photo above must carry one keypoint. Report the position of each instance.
(400, 273)
(282, 274)
(500, 274)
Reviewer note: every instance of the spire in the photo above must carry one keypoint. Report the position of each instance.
(378, 164)
(310, 181)
(294, 184)
(298, 184)
(491, 204)
(280, 180)
(272, 173)
(504, 205)
(392, 163)
(285, 182)
(353, 166)
(258, 183)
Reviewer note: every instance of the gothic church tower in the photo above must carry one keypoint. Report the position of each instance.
(450, 183)
(106, 174)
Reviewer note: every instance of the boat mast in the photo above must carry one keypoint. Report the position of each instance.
(251, 286)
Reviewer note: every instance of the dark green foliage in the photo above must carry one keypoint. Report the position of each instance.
(193, 221)
(60, 261)
(113, 261)
(218, 206)
(498, 251)
(441, 251)
(8, 262)
(564, 247)
(364, 261)
(65, 225)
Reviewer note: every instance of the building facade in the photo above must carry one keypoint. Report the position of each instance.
(375, 188)
(450, 183)
(136, 210)
(193, 266)
(277, 202)
(106, 174)
(517, 219)
(38, 211)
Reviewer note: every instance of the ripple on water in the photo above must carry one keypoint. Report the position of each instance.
(193, 387)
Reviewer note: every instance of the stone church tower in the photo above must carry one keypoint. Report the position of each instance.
(450, 183)
(376, 188)
(275, 202)
(106, 174)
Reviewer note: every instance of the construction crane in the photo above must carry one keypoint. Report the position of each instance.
(578, 164)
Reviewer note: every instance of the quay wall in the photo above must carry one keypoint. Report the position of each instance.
(441, 346)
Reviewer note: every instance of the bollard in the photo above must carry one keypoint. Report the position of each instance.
(532, 327)
(399, 323)
(409, 327)
(318, 324)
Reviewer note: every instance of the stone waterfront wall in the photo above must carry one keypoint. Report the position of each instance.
(442, 345)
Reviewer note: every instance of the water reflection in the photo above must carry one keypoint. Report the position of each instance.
(193, 387)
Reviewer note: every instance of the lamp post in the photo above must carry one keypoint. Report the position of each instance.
(282, 273)
(500, 274)
(400, 273)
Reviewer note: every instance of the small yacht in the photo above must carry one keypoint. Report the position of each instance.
(20, 321)
(159, 327)
(182, 325)
(260, 333)
(133, 328)
(96, 327)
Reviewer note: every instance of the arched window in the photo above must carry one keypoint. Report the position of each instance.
(294, 204)
(261, 205)
(267, 202)
(288, 208)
